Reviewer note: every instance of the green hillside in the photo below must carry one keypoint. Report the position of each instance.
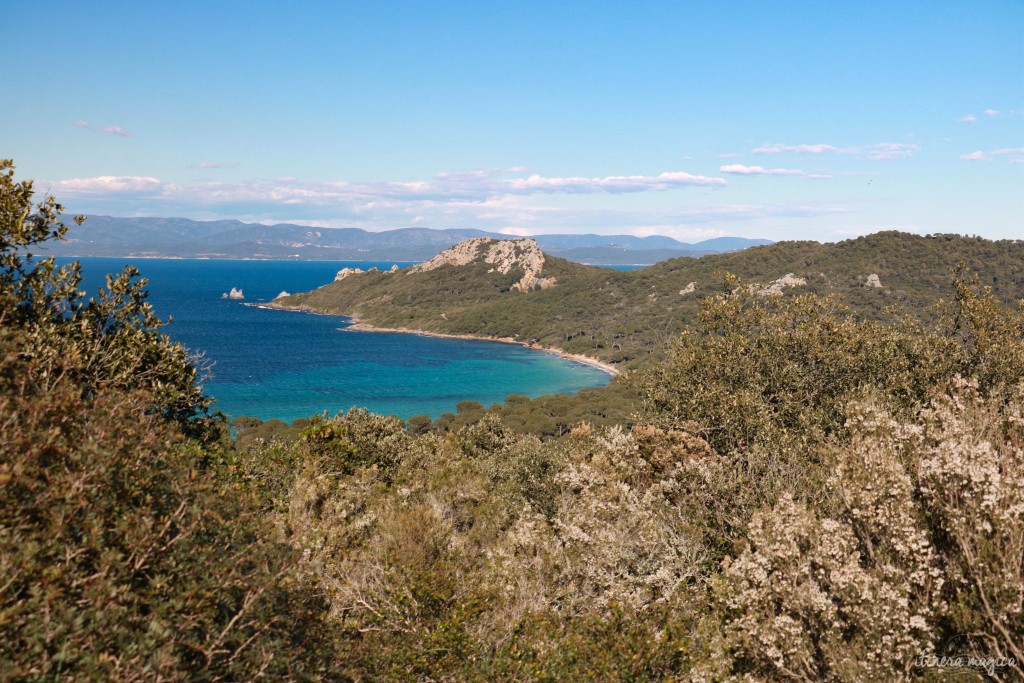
(623, 316)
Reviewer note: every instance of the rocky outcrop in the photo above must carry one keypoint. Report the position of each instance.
(873, 281)
(233, 294)
(394, 269)
(345, 272)
(776, 287)
(282, 295)
(688, 289)
(530, 282)
(502, 255)
(462, 254)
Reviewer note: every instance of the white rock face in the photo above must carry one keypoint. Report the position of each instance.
(345, 272)
(234, 294)
(504, 255)
(787, 281)
(461, 254)
(524, 253)
(394, 269)
(688, 289)
(873, 281)
(282, 295)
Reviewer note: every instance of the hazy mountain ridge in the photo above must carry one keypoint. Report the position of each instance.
(232, 239)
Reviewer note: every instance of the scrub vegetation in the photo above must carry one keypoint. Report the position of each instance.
(799, 490)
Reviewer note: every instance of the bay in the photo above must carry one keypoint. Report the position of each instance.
(283, 364)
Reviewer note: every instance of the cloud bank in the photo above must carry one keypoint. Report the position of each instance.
(497, 199)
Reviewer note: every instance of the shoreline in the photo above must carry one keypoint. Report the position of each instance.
(359, 326)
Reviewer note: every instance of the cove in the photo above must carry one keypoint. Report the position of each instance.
(269, 363)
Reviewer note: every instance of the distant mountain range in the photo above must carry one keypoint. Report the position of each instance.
(184, 238)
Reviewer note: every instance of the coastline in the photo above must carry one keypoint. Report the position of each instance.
(359, 326)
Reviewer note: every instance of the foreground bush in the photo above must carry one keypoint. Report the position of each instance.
(824, 538)
(125, 552)
(779, 371)
(919, 550)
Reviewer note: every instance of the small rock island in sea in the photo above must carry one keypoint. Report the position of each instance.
(233, 294)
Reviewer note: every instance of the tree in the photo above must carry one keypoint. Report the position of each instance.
(127, 551)
(109, 341)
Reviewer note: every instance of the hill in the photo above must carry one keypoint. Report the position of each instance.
(621, 317)
(183, 238)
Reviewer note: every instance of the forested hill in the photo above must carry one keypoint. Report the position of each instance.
(623, 316)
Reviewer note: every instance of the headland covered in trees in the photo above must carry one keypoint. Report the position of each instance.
(796, 481)
(512, 290)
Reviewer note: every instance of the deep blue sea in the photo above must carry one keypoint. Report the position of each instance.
(286, 365)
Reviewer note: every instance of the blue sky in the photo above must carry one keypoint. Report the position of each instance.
(785, 120)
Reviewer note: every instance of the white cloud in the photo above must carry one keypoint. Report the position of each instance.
(878, 151)
(740, 169)
(610, 184)
(110, 130)
(113, 184)
(1014, 155)
(970, 118)
(991, 112)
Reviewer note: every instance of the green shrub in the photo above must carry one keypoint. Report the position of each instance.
(127, 551)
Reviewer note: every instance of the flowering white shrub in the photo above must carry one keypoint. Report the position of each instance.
(970, 466)
(922, 539)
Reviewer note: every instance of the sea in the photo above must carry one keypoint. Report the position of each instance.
(285, 365)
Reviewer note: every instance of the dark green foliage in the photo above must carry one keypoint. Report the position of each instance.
(419, 424)
(768, 370)
(468, 406)
(123, 558)
(552, 416)
(110, 341)
(126, 552)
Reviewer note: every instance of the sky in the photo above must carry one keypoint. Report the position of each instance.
(779, 120)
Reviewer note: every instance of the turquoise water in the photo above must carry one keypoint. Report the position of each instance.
(286, 365)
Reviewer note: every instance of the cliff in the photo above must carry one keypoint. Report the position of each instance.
(503, 255)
